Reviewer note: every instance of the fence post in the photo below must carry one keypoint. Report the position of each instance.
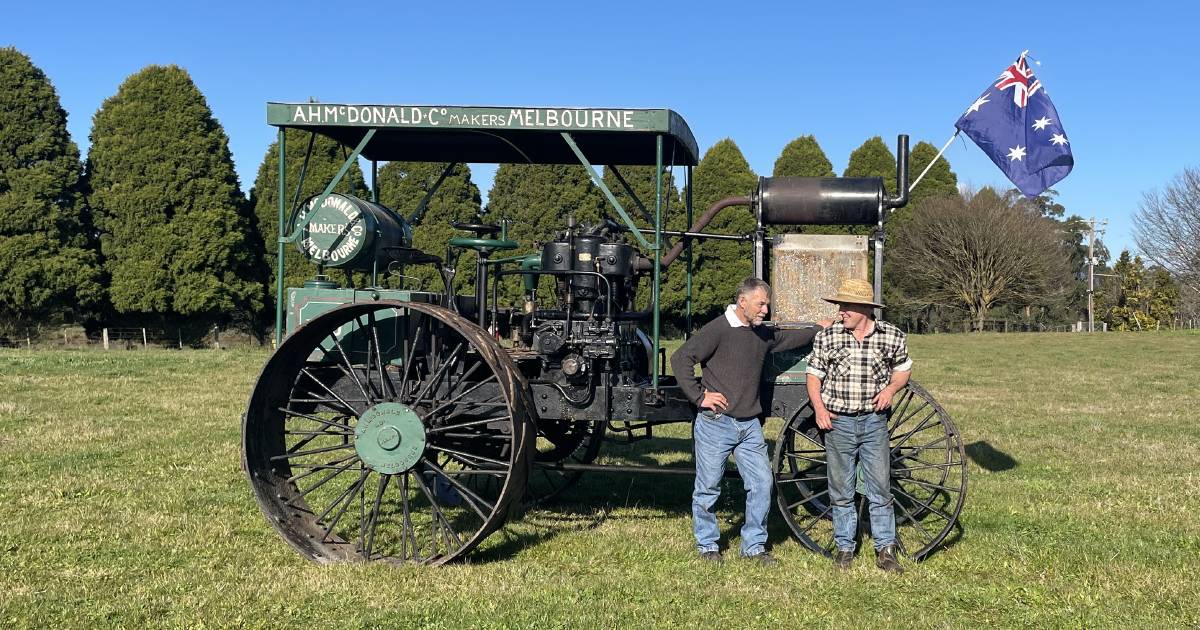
(144, 345)
(105, 336)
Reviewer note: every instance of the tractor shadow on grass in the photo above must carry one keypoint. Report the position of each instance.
(989, 457)
(601, 497)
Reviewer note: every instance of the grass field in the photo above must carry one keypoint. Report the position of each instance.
(123, 504)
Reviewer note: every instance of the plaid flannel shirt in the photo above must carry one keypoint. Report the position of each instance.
(853, 372)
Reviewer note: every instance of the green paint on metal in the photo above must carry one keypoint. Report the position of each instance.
(532, 262)
(303, 305)
(658, 188)
(470, 242)
(632, 195)
(338, 229)
(295, 235)
(688, 299)
(596, 179)
(389, 438)
(787, 367)
(279, 246)
(492, 134)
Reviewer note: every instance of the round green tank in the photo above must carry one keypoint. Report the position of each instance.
(346, 232)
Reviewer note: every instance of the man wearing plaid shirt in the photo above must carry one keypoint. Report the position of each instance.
(856, 366)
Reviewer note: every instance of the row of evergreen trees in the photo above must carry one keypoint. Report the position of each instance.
(153, 228)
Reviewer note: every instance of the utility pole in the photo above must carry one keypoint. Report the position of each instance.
(1091, 263)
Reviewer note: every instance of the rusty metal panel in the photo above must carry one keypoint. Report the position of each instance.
(807, 267)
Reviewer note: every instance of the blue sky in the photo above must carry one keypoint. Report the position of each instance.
(1120, 74)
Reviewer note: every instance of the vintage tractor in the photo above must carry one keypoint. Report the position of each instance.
(400, 425)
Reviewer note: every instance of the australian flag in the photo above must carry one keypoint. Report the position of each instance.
(1015, 123)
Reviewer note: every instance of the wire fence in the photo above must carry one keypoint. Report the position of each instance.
(1008, 325)
(127, 338)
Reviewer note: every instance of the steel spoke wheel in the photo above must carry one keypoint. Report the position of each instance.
(928, 476)
(388, 431)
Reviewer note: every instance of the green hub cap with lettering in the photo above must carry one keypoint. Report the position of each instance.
(389, 438)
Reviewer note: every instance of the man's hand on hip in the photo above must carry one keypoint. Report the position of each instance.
(824, 418)
(715, 401)
(883, 399)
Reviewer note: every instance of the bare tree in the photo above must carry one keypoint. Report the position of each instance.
(979, 252)
(1167, 228)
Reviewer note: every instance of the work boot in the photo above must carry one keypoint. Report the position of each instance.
(711, 556)
(843, 559)
(886, 559)
(764, 559)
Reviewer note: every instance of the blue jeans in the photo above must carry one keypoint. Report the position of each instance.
(861, 439)
(716, 437)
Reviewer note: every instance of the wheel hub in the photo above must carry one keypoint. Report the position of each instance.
(389, 438)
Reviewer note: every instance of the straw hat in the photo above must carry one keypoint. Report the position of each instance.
(854, 291)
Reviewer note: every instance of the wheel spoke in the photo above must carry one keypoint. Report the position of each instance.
(459, 397)
(928, 485)
(945, 466)
(436, 378)
(801, 479)
(345, 500)
(442, 524)
(312, 452)
(385, 382)
(347, 368)
(408, 359)
(373, 519)
(324, 480)
(924, 424)
(468, 455)
(350, 409)
(900, 407)
(946, 517)
(474, 500)
(314, 468)
(822, 493)
(460, 425)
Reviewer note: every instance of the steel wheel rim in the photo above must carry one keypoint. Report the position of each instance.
(304, 440)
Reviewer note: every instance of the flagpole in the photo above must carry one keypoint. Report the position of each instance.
(934, 161)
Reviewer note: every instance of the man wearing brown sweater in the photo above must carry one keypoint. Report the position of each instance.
(731, 351)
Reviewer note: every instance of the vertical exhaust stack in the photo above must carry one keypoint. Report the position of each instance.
(901, 198)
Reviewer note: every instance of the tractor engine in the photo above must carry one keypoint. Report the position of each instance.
(588, 327)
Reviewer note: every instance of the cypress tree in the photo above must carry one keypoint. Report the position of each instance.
(49, 271)
(803, 157)
(720, 265)
(324, 162)
(402, 186)
(175, 229)
(939, 182)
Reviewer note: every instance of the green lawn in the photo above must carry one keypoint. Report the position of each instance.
(123, 504)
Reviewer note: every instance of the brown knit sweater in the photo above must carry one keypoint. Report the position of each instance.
(731, 361)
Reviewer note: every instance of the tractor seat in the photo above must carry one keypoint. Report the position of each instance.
(480, 242)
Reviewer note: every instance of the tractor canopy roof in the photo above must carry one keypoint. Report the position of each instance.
(521, 135)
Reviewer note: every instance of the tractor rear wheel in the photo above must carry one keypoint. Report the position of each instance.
(388, 431)
(928, 476)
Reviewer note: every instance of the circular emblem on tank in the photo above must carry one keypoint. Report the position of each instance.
(389, 438)
(339, 231)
